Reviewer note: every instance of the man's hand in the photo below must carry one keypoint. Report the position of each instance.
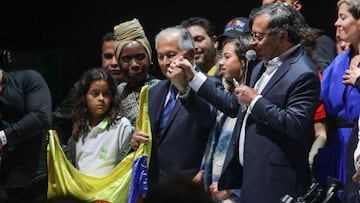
(177, 77)
(245, 94)
(218, 194)
(186, 66)
(198, 177)
(356, 176)
(137, 138)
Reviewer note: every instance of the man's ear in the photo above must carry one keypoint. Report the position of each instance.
(284, 35)
(215, 40)
(297, 5)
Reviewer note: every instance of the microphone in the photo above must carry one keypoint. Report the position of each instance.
(250, 55)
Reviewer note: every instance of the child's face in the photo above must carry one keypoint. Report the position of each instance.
(98, 99)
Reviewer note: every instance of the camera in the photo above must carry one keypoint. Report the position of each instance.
(317, 194)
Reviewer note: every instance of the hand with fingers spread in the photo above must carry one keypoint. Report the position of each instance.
(351, 74)
(137, 138)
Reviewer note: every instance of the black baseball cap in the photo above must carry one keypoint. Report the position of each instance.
(236, 27)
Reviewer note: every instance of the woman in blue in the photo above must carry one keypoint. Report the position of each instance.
(340, 96)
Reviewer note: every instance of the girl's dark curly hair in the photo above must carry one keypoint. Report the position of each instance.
(80, 110)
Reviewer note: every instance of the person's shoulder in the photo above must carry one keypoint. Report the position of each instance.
(301, 59)
(151, 81)
(28, 73)
(122, 122)
(214, 78)
(325, 39)
(159, 84)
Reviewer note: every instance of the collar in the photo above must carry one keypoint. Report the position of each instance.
(276, 62)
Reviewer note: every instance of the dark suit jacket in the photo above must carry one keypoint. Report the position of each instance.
(180, 149)
(278, 133)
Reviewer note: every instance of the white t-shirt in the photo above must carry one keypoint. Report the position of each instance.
(97, 153)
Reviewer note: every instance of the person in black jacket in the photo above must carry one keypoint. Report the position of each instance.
(25, 109)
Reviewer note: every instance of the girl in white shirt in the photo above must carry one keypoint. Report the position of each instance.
(99, 129)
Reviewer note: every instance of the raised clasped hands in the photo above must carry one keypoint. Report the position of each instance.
(181, 73)
(176, 73)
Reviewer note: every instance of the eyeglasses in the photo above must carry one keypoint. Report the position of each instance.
(108, 56)
(257, 36)
(137, 57)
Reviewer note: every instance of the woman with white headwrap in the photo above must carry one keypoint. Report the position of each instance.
(134, 54)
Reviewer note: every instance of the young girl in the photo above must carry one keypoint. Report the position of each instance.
(99, 128)
(232, 67)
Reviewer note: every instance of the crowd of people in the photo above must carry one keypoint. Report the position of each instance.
(261, 111)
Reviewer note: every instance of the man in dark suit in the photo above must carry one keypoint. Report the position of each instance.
(268, 157)
(178, 147)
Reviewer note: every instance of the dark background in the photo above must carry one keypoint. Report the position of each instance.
(62, 39)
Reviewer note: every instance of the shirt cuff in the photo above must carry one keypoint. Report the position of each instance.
(252, 104)
(3, 138)
(197, 81)
(185, 93)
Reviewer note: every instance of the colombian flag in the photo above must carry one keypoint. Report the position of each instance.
(126, 183)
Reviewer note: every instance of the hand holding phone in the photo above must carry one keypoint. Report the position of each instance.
(236, 83)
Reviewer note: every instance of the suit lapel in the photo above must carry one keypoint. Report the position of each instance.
(156, 103)
(256, 73)
(276, 77)
(159, 93)
(285, 66)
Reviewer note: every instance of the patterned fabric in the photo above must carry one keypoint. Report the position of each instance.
(130, 98)
(216, 153)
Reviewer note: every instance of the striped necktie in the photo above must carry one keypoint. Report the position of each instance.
(168, 109)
